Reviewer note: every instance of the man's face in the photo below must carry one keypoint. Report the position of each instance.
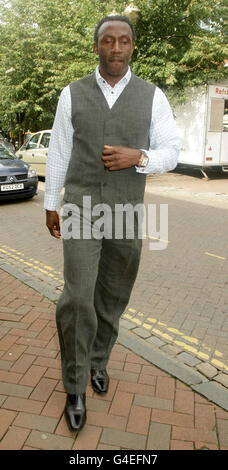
(115, 47)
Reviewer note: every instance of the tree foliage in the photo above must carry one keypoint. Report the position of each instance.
(44, 45)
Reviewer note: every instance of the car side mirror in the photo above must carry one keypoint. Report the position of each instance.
(20, 156)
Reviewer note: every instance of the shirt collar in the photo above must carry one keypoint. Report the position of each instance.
(123, 80)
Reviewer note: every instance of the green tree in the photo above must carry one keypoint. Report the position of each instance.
(180, 43)
(46, 45)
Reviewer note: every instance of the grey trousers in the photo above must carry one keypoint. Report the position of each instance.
(99, 276)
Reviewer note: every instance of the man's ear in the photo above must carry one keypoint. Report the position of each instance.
(95, 48)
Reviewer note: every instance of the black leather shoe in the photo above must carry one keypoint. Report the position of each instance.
(75, 411)
(99, 380)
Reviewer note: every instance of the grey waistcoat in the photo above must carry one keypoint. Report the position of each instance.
(127, 123)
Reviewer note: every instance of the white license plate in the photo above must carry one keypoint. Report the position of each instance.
(12, 187)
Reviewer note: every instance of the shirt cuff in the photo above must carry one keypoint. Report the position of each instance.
(51, 202)
(160, 161)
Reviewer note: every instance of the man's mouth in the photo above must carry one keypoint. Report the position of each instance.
(116, 59)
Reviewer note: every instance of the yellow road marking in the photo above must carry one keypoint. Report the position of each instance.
(187, 347)
(218, 363)
(214, 256)
(135, 320)
(218, 353)
(174, 330)
(148, 327)
(41, 268)
(191, 340)
(152, 320)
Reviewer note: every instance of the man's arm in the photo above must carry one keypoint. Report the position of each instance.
(164, 140)
(164, 143)
(59, 154)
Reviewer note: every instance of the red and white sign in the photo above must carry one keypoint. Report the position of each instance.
(218, 91)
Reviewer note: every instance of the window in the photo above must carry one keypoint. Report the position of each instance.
(225, 117)
(44, 143)
(217, 112)
(32, 144)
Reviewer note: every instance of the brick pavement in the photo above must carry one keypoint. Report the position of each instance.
(145, 408)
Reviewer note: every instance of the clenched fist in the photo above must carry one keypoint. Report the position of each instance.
(118, 158)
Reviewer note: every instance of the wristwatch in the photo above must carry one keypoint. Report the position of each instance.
(143, 161)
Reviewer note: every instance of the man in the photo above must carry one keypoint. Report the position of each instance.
(110, 129)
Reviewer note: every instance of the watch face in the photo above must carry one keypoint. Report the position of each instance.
(144, 161)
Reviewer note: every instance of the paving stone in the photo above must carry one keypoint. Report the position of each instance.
(127, 324)
(207, 369)
(123, 439)
(31, 421)
(88, 438)
(5, 365)
(171, 350)
(14, 438)
(156, 342)
(159, 437)
(169, 417)
(15, 390)
(188, 359)
(139, 420)
(222, 379)
(214, 392)
(113, 422)
(181, 445)
(153, 402)
(184, 401)
(205, 416)
(49, 441)
(122, 375)
(55, 405)
(121, 404)
(191, 434)
(143, 333)
(21, 404)
(6, 418)
(223, 432)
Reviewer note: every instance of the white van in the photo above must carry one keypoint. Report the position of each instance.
(203, 127)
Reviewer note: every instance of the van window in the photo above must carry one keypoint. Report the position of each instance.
(225, 117)
(217, 113)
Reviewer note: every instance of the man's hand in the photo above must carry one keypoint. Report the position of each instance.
(52, 222)
(118, 158)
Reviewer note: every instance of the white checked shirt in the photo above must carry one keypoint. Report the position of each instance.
(164, 140)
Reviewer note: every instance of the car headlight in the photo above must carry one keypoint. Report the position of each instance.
(31, 173)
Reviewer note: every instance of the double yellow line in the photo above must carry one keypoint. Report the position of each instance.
(31, 262)
(163, 330)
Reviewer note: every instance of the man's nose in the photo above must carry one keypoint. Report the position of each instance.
(116, 46)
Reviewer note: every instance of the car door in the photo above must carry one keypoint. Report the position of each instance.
(29, 150)
(41, 154)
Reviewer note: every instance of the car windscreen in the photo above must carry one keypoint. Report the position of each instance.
(5, 153)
